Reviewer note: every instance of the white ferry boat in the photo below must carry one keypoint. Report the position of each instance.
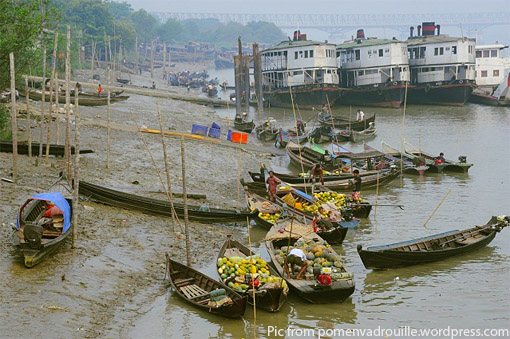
(305, 68)
(373, 71)
(442, 67)
(491, 76)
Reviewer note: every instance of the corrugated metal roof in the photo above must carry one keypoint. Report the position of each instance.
(365, 43)
(298, 43)
(433, 39)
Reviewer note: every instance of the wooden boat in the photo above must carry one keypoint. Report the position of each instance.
(408, 167)
(83, 100)
(299, 179)
(308, 157)
(394, 152)
(432, 248)
(123, 81)
(366, 134)
(309, 288)
(195, 288)
(55, 150)
(447, 165)
(343, 123)
(270, 299)
(267, 132)
(160, 207)
(321, 134)
(284, 136)
(39, 230)
(255, 201)
(242, 125)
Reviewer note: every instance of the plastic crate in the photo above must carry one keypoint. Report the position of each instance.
(199, 129)
(229, 135)
(214, 132)
(215, 125)
(239, 137)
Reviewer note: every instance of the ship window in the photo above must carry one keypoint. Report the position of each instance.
(285, 53)
(358, 56)
(306, 54)
(470, 49)
(484, 74)
(441, 50)
(447, 49)
(381, 52)
(301, 54)
(495, 73)
(311, 53)
(360, 72)
(478, 54)
(295, 55)
(436, 51)
(494, 53)
(486, 53)
(422, 52)
(298, 72)
(454, 49)
(387, 50)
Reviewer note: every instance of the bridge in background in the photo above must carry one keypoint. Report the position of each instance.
(336, 24)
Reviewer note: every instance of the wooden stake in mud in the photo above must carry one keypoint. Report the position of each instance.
(29, 119)
(93, 48)
(402, 144)
(68, 105)
(76, 167)
(437, 207)
(167, 167)
(108, 113)
(43, 105)
(57, 120)
(13, 118)
(185, 203)
(164, 58)
(136, 55)
(52, 79)
(246, 73)
(257, 74)
(376, 196)
(152, 59)
(237, 75)
(239, 176)
(252, 263)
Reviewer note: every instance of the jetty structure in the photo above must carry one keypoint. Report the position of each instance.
(305, 69)
(442, 67)
(373, 71)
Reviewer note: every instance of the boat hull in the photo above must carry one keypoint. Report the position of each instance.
(33, 257)
(488, 100)
(388, 97)
(450, 95)
(303, 97)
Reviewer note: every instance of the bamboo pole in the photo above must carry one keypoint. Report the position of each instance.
(76, 167)
(136, 55)
(185, 203)
(93, 48)
(169, 67)
(79, 51)
(239, 175)
(167, 167)
(152, 59)
(52, 82)
(57, 104)
(376, 196)
(43, 106)
(164, 58)
(68, 105)
(29, 119)
(402, 141)
(108, 113)
(437, 207)
(252, 263)
(13, 118)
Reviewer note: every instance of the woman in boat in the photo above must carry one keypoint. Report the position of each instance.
(272, 183)
(316, 172)
(296, 257)
(440, 159)
(357, 186)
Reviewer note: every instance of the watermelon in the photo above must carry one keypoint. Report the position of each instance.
(310, 256)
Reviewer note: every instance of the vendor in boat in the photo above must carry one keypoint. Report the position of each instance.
(316, 172)
(440, 159)
(296, 257)
(360, 115)
(357, 186)
(321, 220)
(300, 127)
(99, 90)
(272, 183)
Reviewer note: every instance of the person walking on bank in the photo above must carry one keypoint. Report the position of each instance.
(272, 183)
(99, 90)
(357, 186)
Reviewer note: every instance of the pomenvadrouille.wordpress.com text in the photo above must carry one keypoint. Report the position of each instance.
(381, 332)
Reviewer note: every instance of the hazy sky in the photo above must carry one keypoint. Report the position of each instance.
(324, 6)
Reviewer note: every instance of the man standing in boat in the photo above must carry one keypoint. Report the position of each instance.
(360, 116)
(272, 183)
(357, 186)
(316, 172)
(295, 257)
(440, 159)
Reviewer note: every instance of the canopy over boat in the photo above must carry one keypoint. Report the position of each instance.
(58, 200)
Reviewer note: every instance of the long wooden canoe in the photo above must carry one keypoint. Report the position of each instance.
(306, 157)
(82, 100)
(308, 288)
(196, 287)
(394, 152)
(338, 122)
(160, 207)
(55, 150)
(432, 248)
(448, 165)
(271, 298)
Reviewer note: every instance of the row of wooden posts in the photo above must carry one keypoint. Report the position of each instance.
(73, 177)
(242, 78)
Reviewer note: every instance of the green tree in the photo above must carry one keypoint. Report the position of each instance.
(172, 30)
(120, 10)
(145, 25)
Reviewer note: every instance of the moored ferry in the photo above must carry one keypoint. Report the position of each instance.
(442, 67)
(304, 68)
(373, 71)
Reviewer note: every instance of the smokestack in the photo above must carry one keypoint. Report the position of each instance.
(438, 27)
(429, 28)
(297, 34)
(419, 30)
(411, 29)
(360, 34)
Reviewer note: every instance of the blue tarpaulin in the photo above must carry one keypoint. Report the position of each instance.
(61, 202)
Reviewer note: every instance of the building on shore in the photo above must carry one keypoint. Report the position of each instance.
(372, 71)
(442, 67)
(305, 69)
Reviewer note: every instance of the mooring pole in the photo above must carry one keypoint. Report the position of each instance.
(136, 55)
(43, 106)
(185, 203)
(52, 88)
(68, 104)
(76, 167)
(237, 71)
(257, 74)
(152, 60)
(29, 118)
(13, 118)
